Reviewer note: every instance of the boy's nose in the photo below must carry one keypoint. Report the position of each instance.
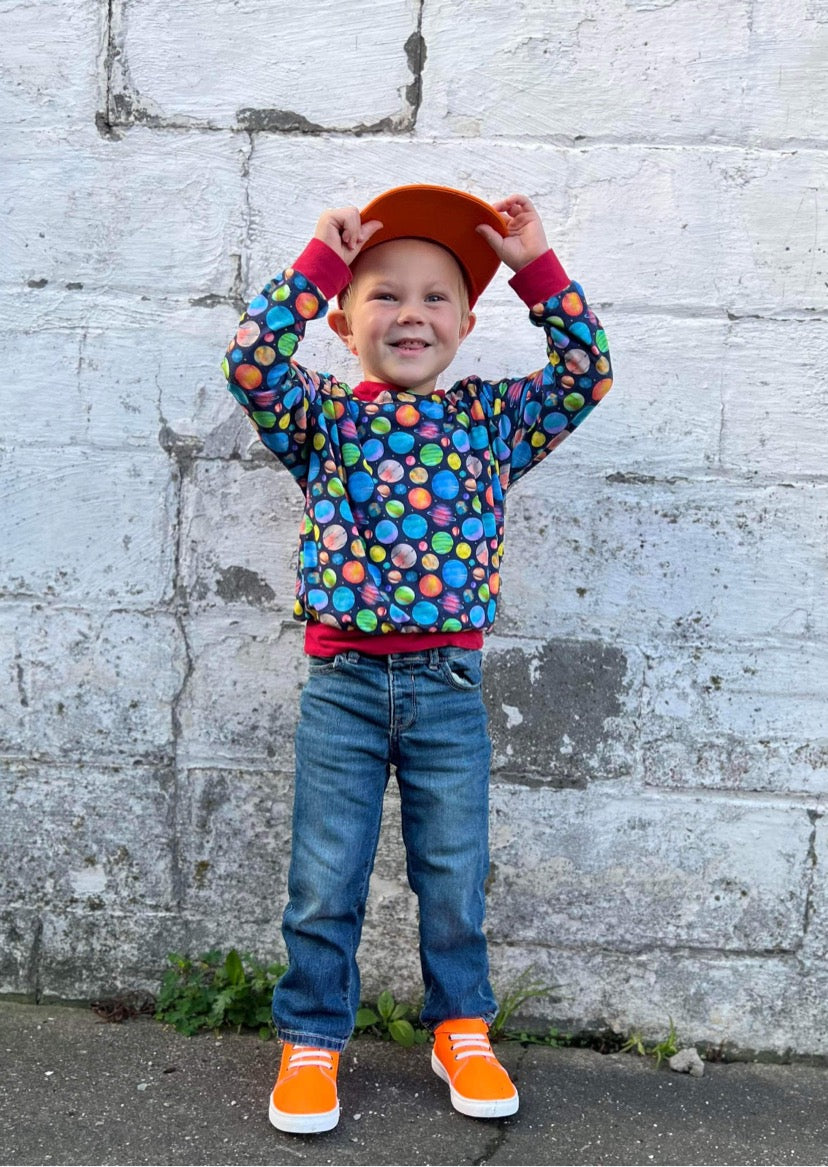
(410, 310)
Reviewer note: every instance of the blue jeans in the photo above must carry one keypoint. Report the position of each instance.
(423, 713)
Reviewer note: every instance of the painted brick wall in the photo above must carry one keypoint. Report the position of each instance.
(657, 680)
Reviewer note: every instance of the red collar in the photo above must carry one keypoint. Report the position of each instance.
(370, 390)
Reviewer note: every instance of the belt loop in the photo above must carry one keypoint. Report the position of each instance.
(434, 658)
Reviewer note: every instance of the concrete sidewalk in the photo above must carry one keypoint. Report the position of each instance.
(76, 1090)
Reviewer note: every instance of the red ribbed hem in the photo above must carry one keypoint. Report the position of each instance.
(322, 266)
(540, 279)
(323, 640)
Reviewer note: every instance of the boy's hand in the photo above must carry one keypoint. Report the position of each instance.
(526, 239)
(344, 232)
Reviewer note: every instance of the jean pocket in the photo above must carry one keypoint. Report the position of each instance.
(463, 672)
(322, 664)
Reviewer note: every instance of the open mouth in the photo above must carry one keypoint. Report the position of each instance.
(410, 345)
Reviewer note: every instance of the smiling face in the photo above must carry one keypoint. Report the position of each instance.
(406, 312)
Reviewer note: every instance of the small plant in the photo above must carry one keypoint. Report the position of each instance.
(523, 990)
(553, 1037)
(634, 1045)
(211, 992)
(667, 1046)
(661, 1050)
(390, 1021)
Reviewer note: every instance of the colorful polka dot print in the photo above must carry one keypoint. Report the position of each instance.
(403, 523)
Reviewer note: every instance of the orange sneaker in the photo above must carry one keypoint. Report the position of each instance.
(304, 1099)
(462, 1056)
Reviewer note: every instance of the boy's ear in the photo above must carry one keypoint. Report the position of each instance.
(338, 321)
(467, 325)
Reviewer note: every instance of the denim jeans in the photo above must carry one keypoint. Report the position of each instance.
(423, 713)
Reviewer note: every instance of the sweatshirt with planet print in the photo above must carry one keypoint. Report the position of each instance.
(403, 525)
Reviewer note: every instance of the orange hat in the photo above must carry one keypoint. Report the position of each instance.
(443, 216)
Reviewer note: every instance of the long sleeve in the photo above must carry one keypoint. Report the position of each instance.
(530, 416)
(275, 391)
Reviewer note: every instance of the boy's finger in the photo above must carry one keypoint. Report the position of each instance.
(492, 237)
(368, 229)
(514, 204)
(352, 228)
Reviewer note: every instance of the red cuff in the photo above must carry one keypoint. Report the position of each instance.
(540, 279)
(323, 267)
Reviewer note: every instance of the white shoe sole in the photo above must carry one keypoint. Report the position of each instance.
(475, 1107)
(303, 1124)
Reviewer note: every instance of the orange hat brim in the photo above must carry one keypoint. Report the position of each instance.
(441, 215)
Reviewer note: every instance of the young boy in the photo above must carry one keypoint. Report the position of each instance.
(400, 546)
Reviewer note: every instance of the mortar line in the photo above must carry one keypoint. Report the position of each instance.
(415, 90)
(34, 963)
(707, 952)
(381, 130)
(744, 480)
(178, 608)
(104, 118)
(811, 860)
(110, 50)
(243, 269)
(722, 413)
(683, 312)
(180, 611)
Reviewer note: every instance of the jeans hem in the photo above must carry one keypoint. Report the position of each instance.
(318, 1040)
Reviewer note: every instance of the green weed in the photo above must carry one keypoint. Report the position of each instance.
(523, 990)
(552, 1037)
(215, 992)
(390, 1021)
(667, 1046)
(634, 1045)
(659, 1050)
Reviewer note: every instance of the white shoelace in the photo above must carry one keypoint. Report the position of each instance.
(308, 1055)
(470, 1045)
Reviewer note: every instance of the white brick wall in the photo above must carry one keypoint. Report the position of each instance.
(658, 675)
